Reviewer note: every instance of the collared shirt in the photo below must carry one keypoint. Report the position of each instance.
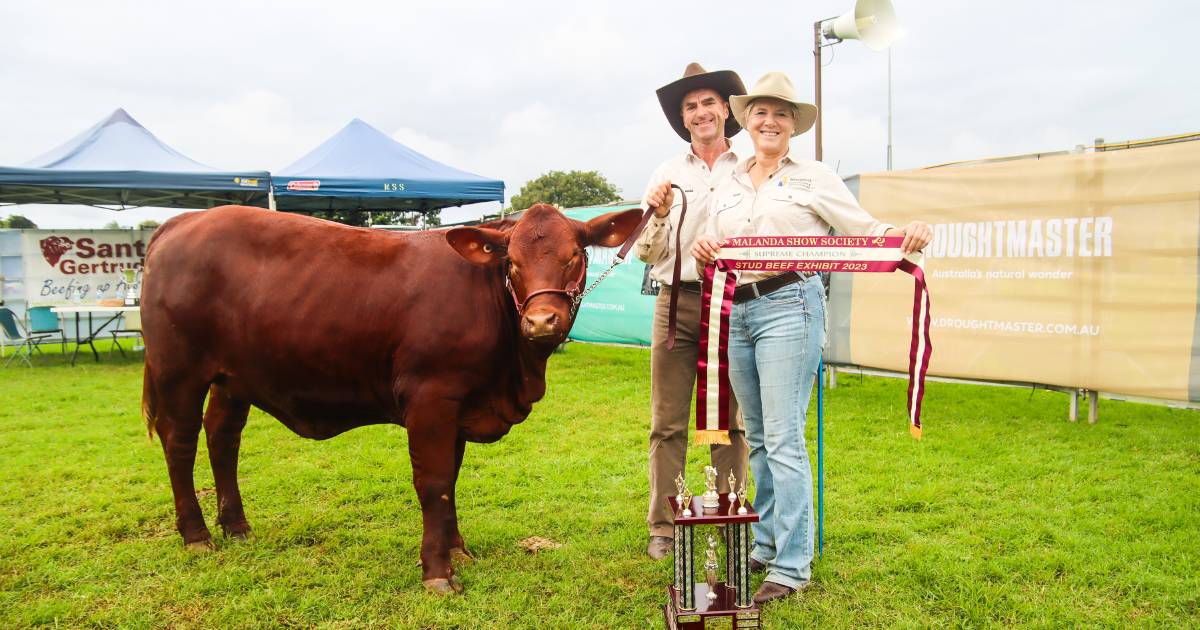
(801, 198)
(656, 245)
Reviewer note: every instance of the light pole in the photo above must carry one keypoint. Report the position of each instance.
(873, 22)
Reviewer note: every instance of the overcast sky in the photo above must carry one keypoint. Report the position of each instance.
(511, 90)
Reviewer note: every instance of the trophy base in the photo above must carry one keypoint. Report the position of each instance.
(719, 613)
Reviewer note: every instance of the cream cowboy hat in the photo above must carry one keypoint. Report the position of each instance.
(695, 77)
(775, 85)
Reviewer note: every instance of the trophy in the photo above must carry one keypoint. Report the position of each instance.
(714, 597)
(710, 568)
(732, 487)
(679, 487)
(131, 296)
(711, 498)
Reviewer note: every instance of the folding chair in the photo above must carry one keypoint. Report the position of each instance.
(41, 320)
(25, 343)
(129, 328)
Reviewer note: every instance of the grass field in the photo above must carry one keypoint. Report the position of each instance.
(1004, 515)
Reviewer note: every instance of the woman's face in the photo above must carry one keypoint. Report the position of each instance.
(770, 124)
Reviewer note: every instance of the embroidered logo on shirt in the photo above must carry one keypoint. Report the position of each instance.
(795, 183)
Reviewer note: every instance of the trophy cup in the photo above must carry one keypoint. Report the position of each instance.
(131, 296)
(711, 498)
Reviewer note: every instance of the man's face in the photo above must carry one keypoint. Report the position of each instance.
(704, 114)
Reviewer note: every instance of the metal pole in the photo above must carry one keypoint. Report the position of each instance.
(820, 458)
(817, 76)
(889, 155)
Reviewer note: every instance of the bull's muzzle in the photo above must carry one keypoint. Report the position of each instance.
(541, 326)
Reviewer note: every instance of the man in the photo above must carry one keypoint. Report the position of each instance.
(697, 106)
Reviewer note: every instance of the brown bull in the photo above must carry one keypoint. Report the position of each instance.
(328, 328)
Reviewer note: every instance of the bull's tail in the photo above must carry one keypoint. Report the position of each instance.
(149, 401)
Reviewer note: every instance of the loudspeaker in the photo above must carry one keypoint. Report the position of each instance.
(873, 22)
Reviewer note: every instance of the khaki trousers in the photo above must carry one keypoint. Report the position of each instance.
(672, 383)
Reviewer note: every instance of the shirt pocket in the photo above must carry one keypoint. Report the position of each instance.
(786, 195)
(728, 202)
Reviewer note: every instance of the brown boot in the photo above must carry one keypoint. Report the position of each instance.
(660, 547)
(771, 591)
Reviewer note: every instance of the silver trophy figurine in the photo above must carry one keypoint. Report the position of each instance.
(711, 498)
(679, 487)
(732, 487)
(742, 499)
(710, 568)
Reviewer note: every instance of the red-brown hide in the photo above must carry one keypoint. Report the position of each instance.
(328, 328)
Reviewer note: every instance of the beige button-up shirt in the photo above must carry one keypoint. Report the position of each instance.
(656, 245)
(802, 198)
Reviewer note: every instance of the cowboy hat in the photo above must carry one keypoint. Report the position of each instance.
(775, 85)
(695, 77)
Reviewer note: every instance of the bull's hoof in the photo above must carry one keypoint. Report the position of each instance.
(240, 536)
(456, 584)
(461, 555)
(201, 546)
(442, 586)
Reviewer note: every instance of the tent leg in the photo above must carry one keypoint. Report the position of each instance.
(820, 459)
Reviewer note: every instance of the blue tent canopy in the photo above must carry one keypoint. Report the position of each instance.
(119, 163)
(361, 168)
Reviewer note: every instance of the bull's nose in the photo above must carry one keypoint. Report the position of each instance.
(541, 324)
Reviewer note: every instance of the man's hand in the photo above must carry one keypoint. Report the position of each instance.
(661, 199)
(706, 248)
(916, 236)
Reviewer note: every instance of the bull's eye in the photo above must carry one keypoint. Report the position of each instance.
(487, 248)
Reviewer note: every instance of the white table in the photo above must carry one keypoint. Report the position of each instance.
(112, 312)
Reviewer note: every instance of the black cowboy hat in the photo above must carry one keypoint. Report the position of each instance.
(724, 82)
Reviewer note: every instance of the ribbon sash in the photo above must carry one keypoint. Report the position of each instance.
(796, 253)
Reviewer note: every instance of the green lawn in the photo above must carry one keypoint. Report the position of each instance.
(1005, 514)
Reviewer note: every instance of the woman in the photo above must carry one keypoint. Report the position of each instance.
(775, 339)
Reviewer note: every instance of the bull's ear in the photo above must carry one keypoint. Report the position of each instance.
(610, 230)
(482, 246)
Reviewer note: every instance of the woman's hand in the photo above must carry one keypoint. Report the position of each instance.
(916, 236)
(706, 248)
(661, 199)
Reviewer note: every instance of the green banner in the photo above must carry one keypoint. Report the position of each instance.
(618, 310)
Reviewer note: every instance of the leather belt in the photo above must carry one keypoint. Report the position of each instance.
(691, 287)
(748, 292)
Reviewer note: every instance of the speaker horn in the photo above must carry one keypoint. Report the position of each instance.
(873, 22)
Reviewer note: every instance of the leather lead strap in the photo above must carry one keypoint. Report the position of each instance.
(678, 258)
(676, 272)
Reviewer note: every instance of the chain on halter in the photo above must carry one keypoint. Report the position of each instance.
(620, 258)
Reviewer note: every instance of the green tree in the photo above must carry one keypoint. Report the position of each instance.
(17, 222)
(113, 225)
(567, 190)
(149, 224)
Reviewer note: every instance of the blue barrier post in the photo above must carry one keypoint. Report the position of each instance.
(820, 458)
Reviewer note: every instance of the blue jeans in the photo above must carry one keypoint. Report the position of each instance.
(775, 345)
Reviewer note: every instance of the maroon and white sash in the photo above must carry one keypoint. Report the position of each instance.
(796, 253)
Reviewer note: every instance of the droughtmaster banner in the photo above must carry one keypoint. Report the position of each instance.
(1076, 270)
